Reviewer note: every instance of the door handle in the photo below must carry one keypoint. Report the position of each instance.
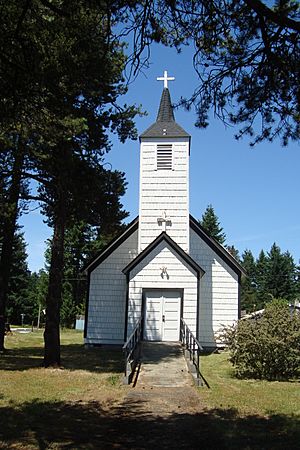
(163, 318)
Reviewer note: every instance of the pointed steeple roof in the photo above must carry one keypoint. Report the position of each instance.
(165, 112)
(165, 124)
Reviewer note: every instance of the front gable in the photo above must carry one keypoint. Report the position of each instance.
(164, 266)
(166, 240)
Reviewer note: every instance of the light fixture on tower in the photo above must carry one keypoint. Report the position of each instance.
(164, 220)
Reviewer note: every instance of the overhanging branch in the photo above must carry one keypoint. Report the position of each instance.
(280, 19)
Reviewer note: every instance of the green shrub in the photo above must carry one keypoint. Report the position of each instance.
(267, 347)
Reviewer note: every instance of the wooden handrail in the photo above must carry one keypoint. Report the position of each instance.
(131, 350)
(193, 346)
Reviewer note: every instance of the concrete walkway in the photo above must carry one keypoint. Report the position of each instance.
(163, 385)
(162, 406)
(163, 364)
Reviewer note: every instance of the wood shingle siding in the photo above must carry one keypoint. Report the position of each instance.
(147, 276)
(164, 190)
(165, 259)
(107, 295)
(218, 291)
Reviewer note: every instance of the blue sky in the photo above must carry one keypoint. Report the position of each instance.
(254, 191)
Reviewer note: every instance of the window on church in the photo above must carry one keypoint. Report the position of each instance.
(164, 157)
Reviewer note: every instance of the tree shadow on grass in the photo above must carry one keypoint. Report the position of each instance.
(94, 359)
(73, 357)
(45, 425)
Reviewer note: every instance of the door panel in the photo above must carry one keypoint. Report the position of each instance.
(171, 311)
(153, 323)
(162, 316)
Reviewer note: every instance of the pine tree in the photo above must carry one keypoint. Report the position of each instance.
(246, 58)
(249, 285)
(297, 285)
(280, 280)
(233, 251)
(11, 185)
(82, 242)
(57, 115)
(211, 225)
(40, 282)
(19, 301)
(261, 270)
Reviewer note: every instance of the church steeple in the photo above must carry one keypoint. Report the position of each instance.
(165, 112)
(164, 174)
(165, 124)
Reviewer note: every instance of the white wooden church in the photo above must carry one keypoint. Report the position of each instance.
(164, 266)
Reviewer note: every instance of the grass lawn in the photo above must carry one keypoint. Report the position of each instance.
(86, 374)
(32, 398)
(80, 406)
(247, 396)
(264, 414)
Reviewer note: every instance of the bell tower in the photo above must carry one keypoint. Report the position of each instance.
(164, 177)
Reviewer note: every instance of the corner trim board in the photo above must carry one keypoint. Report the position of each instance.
(86, 315)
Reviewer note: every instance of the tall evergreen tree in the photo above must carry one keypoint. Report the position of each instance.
(233, 251)
(40, 282)
(249, 285)
(280, 274)
(11, 185)
(74, 192)
(297, 286)
(56, 115)
(19, 301)
(211, 225)
(261, 282)
(82, 242)
(246, 54)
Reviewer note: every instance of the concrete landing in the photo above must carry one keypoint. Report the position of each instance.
(163, 365)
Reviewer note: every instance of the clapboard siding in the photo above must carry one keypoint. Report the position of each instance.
(147, 275)
(218, 291)
(107, 295)
(164, 190)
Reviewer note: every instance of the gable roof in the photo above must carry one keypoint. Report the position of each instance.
(165, 124)
(111, 246)
(166, 238)
(194, 224)
(216, 247)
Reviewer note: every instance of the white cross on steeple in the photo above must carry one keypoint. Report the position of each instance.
(165, 79)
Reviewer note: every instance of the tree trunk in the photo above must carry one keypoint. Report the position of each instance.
(53, 300)
(9, 228)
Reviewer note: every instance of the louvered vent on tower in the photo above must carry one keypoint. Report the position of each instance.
(164, 157)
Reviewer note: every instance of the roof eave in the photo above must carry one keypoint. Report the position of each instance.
(164, 237)
(111, 246)
(218, 248)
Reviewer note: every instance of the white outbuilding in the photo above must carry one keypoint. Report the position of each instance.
(164, 267)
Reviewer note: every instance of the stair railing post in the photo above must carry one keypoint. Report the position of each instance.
(193, 351)
(132, 351)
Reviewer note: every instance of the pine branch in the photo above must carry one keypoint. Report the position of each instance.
(276, 17)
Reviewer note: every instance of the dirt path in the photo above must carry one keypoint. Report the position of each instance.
(163, 385)
(164, 418)
(161, 410)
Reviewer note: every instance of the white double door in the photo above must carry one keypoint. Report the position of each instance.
(162, 315)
